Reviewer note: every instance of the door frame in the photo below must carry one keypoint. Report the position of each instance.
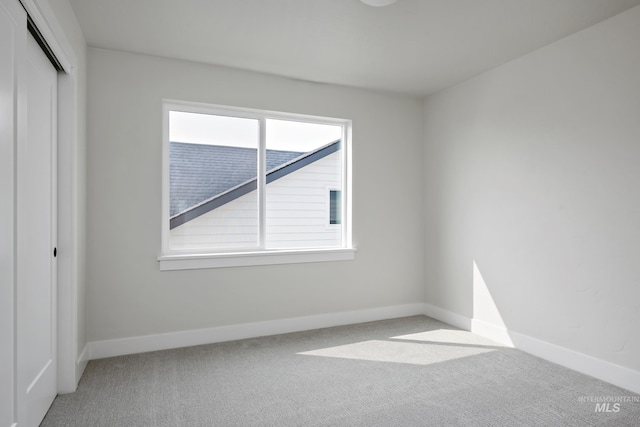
(70, 359)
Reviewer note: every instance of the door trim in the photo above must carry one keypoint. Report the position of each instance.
(47, 24)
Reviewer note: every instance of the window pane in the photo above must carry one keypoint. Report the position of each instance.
(304, 161)
(335, 210)
(213, 169)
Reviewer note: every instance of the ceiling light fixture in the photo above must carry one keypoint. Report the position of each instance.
(378, 3)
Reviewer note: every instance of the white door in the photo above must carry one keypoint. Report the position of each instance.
(36, 239)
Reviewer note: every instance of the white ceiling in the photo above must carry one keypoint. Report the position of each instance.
(412, 46)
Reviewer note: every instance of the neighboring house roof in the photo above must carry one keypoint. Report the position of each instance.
(204, 177)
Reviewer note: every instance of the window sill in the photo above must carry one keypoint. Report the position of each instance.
(245, 259)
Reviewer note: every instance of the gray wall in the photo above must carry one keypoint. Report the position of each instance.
(128, 295)
(532, 172)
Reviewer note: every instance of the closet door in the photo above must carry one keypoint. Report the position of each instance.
(13, 22)
(36, 237)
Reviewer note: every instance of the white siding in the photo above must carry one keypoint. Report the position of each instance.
(297, 214)
(298, 207)
(231, 226)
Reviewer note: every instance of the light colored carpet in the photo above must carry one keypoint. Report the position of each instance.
(412, 371)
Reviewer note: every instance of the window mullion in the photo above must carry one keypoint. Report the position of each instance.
(262, 183)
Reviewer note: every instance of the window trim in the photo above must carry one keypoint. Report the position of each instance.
(175, 259)
(244, 259)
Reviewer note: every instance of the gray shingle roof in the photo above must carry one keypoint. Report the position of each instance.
(200, 172)
(204, 177)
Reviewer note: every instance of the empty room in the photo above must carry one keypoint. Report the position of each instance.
(319, 213)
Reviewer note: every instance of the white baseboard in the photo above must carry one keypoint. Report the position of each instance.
(606, 371)
(448, 317)
(141, 344)
(493, 332)
(614, 374)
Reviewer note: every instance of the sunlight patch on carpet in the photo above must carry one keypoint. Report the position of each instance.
(452, 336)
(399, 352)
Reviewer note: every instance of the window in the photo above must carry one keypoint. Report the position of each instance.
(335, 210)
(243, 184)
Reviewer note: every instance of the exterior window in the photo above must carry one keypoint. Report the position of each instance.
(239, 180)
(335, 210)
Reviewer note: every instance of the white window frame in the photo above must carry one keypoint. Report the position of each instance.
(172, 259)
